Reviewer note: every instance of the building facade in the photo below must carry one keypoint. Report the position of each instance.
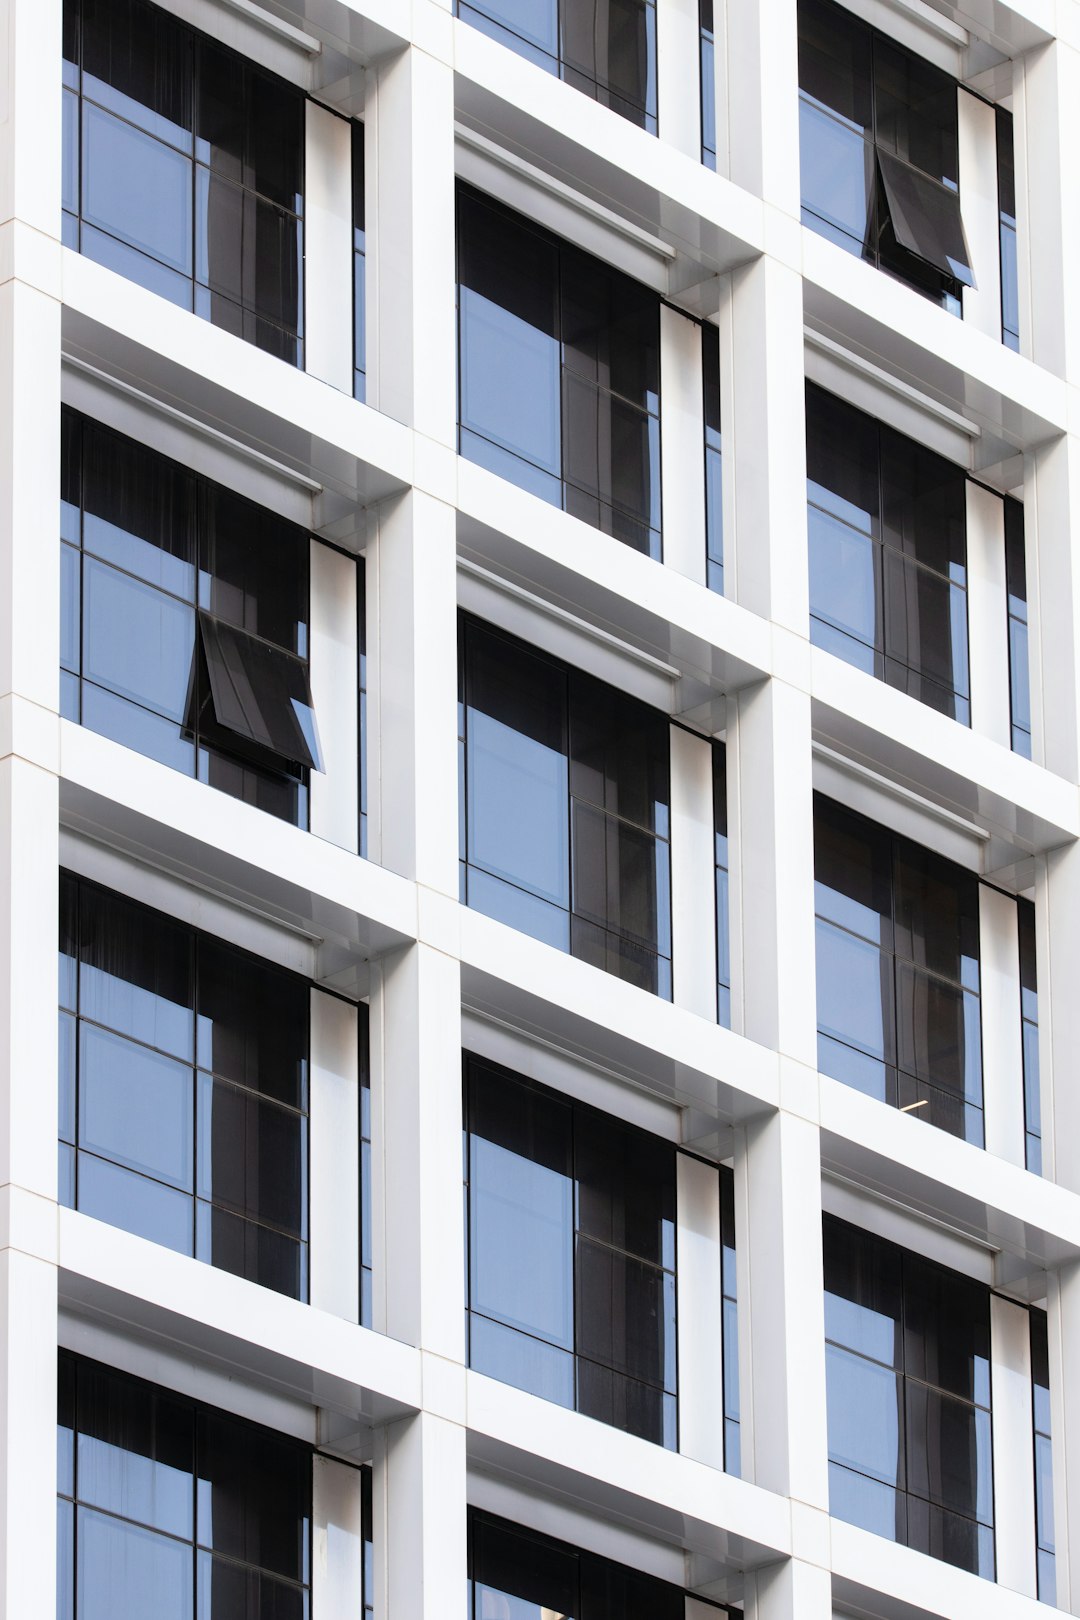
(539, 794)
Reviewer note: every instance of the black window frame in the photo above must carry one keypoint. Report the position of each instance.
(273, 332)
(76, 893)
(901, 234)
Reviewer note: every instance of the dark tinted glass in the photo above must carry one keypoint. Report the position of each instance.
(610, 328)
(835, 61)
(142, 59)
(863, 1293)
(136, 972)
(915, 108)
(260, 693)
(624, 1314)
(853, 872)
(923, 505)
(254, 1495)
(946, 1330)
(625, 1188)
(240, 588)
(253, 1023)
(135, 1450)
(610, 53)
(139, 510)
(619, 751)
(925, 218)
(714, 508)
(252, 1157)
(612, 1592)
(529, 1568)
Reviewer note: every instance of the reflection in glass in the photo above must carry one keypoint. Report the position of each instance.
(1044, 1460)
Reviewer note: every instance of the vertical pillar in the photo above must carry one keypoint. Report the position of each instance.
(1058, 962)
(30, 167)
(1002, 1037)
(328, 247)
(693, 889)
(420, 1514)
(1048, 230)
(1014, 1447)
(682, 444)
(980, 212)
(335, 689)
(988, 615)
(337, 1514)
(1063, 1335)
(334, 1173)
(678, 54)
(791, 1591)
(701, 1309)
(1051, 514)
(759, 102)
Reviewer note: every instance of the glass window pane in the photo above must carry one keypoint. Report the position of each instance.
(613, 48)
(937, 1033)
(253, 1022)
(519, 1359)
(254, 1495)
(139, 510)
(862, 1292)
(135, 971)
(255, 569)
(137, 641)
(228, 1590)
(924, 510)
(518, 1574)
(937, 914)
(627, 1403)
(220, 111)
(620, 750)
(915, 110)
(925, 622)
(625, 1188)
(618, 878)
(946, 1330)
(261, 693)
(134, 1203)
(926, 218)
(609, 452)
(952, 1537)
(137, 60)
(837, 167)
(625, 1314)
(548, 923)
(854, 992)
(868, 1503)
(843, 582)
(610, 329)
(252, 1156)
(134, 1451)
(136, 188)
(275, 139)
(65, 1560)
(835, 62)
(609, 1589)
(246, 1249)
(852, 872)
(125, 1571)
(865, 1403)
(135, 1106)
(948, 1447)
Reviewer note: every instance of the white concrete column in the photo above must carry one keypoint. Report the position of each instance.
(1063, 1338)
(988, 615)
(420, 1520)
(334, 1175)
(768, 552)
(1002, 1037)
(337, 1515)
(1047, 92)
(682, 443)
(794, 1590)
(412, 334)
(1057, 899)
(781, 1311)
(693, 865)
(771, 840)
(758, 98)
(411, 744)
(417, 1228)
(1051, 516)
(328, 247)
(678, 57)
(335, 689)
(979, 211)
(701, 1312)
(1014, 1446)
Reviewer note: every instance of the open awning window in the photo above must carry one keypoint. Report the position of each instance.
(260, 692)
(926, 218)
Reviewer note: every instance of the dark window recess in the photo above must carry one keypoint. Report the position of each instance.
(361, 644)
(1044, 1465)
(518, 1572)
(558, 372)
(172, 1508)
(887, 522)
(359, 264)
(1010, 292)
(183, 1088)
(608, 52)
(183, 169)
(723, 926)
(897, 971)
(564, 812)
(708, 84)
(878, 144)
(714, 480)
(1029, 1024)
(1019, 666)
(732, 1429)
(365, 1167)
(907, 1359)
(184, 621)
(571, 1253)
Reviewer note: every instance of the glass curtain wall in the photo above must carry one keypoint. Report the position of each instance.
(1019, 665)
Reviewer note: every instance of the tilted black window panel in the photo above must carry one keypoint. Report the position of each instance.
(184, 169)
(887, 523)
(183, 1088)
(608, 51)
(564, 815)
(172, 1508)
(879, 151)
(907, 1355)
(571, 1253)
(516, 1571)
(184, 621)
(898, 981)
(558, 372)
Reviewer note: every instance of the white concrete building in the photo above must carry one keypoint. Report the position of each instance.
(378, 363)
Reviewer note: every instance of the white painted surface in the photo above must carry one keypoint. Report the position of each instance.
(337, 1566)
(1014, 1456)
(701, 1312)
(980, 212)
(335, 1156)
(678, 48)
(693, 900)
(1002, 1039)
(328, 248)
(682, 444)
(988, 615)
(335, 690)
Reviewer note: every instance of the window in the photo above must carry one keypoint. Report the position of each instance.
(366, 1263)
(714, 482)
(878, 144)
(359, 264)
(907, 1358)
(608, 51)
(183, 169)
(184, 621)
(897, 971)
(1029, 1023)
(558, 372)
(708, 84)
(723, 926)
(1019, 668)
(564, 815)
(1006, 170)
(1044, 1459)
(732, 1429)
(183, 1088)
(571, 1253)
(887, 523)
(172, 1508)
